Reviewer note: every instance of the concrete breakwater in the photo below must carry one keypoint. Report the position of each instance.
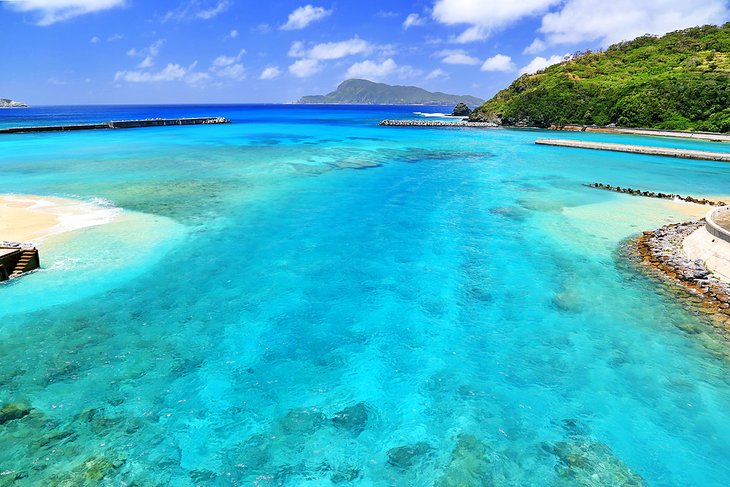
(639, 149)
(661, 254)
(653, 194)
(711, 136)
(434, 123)
(119, 124)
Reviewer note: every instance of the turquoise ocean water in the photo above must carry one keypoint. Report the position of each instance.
(305, 298)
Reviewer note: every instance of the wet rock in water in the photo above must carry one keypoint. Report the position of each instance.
(591, 463)
(55, 438)
(406, 456)
(469, 464)
(202, 476)
(353, 418)
(99, 467)
(344, 474)
(575, 427)
(512, 212)
(10, 477)
(461, 110)
(301, 422)
(567, 300)
(11, 412)
(480, 294)
(92, 470)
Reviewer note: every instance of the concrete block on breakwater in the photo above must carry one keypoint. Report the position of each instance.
(639, 149)
(434, 123)
(119, 124)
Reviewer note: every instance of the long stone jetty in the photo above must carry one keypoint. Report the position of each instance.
(119, 124)
(639, 149)
(434, 123)
(655, 194)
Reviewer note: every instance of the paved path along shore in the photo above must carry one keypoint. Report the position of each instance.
(639, 149)
(711, 136)
(724, 221)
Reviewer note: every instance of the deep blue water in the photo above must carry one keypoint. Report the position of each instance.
(305, 298)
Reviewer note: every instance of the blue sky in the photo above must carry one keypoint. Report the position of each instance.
(240, 51)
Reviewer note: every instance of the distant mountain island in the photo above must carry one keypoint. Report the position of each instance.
(680, 81)
(364, 92)
(7, 103)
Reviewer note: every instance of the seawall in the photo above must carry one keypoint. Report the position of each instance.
(119, 124)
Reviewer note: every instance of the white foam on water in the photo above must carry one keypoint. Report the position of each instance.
(436, 115)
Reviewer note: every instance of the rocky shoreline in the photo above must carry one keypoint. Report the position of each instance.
(661, 255)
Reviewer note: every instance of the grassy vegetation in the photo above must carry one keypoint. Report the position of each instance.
(680, 81)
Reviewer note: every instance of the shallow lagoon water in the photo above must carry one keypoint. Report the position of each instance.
(311, 299)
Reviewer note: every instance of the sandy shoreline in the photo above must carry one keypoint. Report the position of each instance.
(32, 219)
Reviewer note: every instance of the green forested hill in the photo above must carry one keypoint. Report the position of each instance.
(680, 81)
(362, 91)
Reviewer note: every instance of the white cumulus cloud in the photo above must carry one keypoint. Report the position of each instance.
(485, 16)
(235, 72)
(147, 62)
(270, 73)
(457, 56)
(337, 50)
(371, 70)
(197, 9)
(171, 72)
(303, 16)
(214, 11)
(538, 45)
(541, 63)
(148, 54)
(221, 61)
(229, 66)
(52, 11)
(304, 68)
(500, 62)
(579, 21)
(437, 73)
(413, 20)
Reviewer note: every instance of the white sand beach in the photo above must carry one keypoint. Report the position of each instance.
(32, 219)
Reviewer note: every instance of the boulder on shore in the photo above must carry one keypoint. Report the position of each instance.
(461, 110)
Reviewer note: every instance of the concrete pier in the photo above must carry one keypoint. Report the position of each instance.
(119, 124)
(639, 149)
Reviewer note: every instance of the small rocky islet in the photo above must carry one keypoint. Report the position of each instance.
(8, 103)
